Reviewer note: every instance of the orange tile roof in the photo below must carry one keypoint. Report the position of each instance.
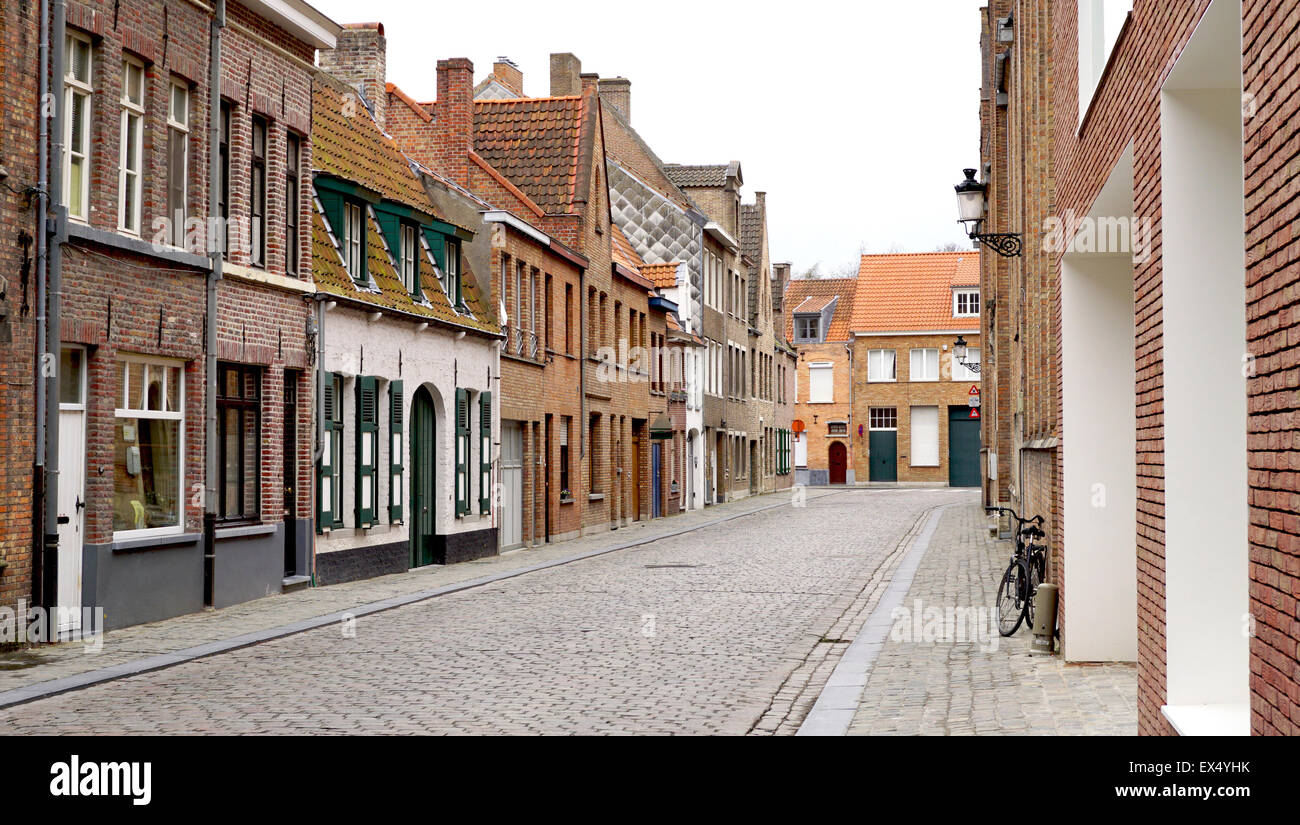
(623, 252)
(663, 276)
(817, 293)
(535, 143)
(912, 292)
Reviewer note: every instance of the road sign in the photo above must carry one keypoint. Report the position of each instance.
(973, 398)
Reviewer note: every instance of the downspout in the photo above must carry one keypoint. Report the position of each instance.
(320, 421)
(56, 226)
(582, 373)
(42, 268)
(215, 246)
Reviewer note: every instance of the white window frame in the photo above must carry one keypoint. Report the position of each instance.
(876, 363)
(130, 180)
(804, 322)
(913, 441)
(923, 375)
(1100, 22)
(124, 410)
(451, 272)
(410, 262)
(961, 372)
(353, 232)
(183, 127)
(878, 414)
(829, 368)
(75, 87)
(968, 294)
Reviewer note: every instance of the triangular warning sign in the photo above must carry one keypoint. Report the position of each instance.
(974, 412)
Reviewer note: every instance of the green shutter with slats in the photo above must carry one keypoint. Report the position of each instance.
(462, 452)
(367, 433)
(485, 452)
(396, 450)
(328, 461)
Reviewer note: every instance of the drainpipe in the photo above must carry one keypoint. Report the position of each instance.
(56, 226)
(582, 372)
(211, 471)
(42, 211)
(320, 299)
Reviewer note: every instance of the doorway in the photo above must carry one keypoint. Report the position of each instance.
(423, 479)
(656, 480)
(512, 485)
(837, 461)
(72, 486)
(290, 446)
(963, 447)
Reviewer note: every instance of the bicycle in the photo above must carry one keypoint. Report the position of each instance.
(1026, 570)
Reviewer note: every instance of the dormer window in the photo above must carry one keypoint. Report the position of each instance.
(807, 329)
(410, 263)
(451, 273)
(354, 242)
(965, 303)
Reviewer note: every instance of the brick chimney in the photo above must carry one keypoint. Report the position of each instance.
(588, 82)
(566, 75)
(453, 125)
(616, 93)
(508, 74)
(780, 280)
(361, 59)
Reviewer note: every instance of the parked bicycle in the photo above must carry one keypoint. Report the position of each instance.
(1027, 569)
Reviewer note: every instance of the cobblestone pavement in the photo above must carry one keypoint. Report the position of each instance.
(728, 629)
(927, 687)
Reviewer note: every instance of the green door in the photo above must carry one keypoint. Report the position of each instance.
(963, 448)
(884, 455)
(423, 478)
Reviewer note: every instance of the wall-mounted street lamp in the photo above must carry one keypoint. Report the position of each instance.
(970, 208)
(959, 352)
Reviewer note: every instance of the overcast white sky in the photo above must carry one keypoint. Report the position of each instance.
(855, 118)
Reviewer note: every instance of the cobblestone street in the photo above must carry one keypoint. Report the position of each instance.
(731, 628)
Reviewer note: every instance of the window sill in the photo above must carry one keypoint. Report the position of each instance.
(241, 531)
(595, 497)
(565, 501)
(155, 542)
(1208, 720)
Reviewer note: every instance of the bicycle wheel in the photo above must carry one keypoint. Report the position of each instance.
(1035, 578)
(1010, 604)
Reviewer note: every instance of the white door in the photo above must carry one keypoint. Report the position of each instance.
(512, 483)
(72, 487)
(801, 450)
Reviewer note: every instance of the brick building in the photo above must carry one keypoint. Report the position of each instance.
(129, 444)
(1153, 416)
(409, 414)
(911, 419)
(818, 312)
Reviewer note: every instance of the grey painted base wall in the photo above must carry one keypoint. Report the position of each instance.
(249, 564)
(459, 547)
(356, 563)
(143, 584)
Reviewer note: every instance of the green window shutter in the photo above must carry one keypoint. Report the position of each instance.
(462, 452)
(367, 433)
(325, 471)
(485, 452)
(396, 450)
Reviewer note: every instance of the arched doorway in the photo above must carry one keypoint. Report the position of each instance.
(423, 479)
(838, 462)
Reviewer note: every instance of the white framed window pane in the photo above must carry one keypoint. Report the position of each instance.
(395, 451)
(821, 386)
(325, 459)
(326, 489)
(365, 489)
(146, 474)
(367, 449)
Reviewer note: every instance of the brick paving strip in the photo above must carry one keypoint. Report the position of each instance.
(137, 650)
(945, 687)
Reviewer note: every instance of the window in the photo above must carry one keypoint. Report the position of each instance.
(451, 273)
(410, 263)
(223, 191)
(593, 451)
(925, 365)
(566, 423)
(78, 60)
(366, 489)
(292, 202)
(965, 303)
(132, 146)
(821, 383)
(238, 442)
(148, 477)
(883, 418)
(354, 242)
(807, 329)
(925, 436)
(257, 194)
(463, 444)
(837, 428)
(330, 488)
(485, 453)
(396, 426)
(961, 373)
(568, 319)
(881, 365)
(178, 160)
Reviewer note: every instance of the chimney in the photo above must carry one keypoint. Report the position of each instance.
(760, 200)
(780, 280)
(566, 71)
(508, 74)
(360, 59)
(616, 92)
(588, 82)
(453, 125)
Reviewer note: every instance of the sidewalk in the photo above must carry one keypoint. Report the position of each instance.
(28, 674)
(944, 687)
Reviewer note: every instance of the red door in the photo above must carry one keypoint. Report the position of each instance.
(839, 462)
